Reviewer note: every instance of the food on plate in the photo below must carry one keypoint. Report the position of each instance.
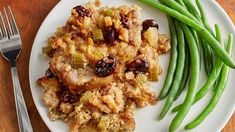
(178, 71)
(183, 15)
(100, 63)
(218, 91)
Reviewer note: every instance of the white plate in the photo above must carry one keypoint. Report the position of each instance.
(146, 118)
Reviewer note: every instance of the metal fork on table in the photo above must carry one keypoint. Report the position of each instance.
(10, 48)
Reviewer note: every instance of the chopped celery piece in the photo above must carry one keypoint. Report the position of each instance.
(109, 12)
(97, 35)
(78, 60)
(153, 74)
(140, 80)
(48, 50)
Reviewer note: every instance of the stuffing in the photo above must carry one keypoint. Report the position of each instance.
(101, 62)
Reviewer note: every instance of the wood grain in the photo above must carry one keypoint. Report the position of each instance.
(29, 14)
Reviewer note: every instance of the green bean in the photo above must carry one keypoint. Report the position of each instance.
(173, 61)
(219, 90)
(194, 54)
(216, 82)
(173, 4)
(214, 44)
(207, 57)
(181, 8)
(176, 108)
(179, 70)
(192, 9)
(187, 63)
(197, 39)
(181, 3)
(195, 14)
(207, 53)
(208, 84)
(203, 16)
(219, 38)
(185, 74)
(207, 48)
(218, 33)
(211, 79)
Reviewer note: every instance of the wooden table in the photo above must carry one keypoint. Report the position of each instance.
(29, 14)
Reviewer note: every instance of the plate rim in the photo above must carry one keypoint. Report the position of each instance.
(30, 65)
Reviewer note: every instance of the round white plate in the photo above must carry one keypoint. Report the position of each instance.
(146, 118)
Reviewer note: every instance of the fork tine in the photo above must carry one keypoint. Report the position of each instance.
(14, 26)
(4, 31)
(8, 23)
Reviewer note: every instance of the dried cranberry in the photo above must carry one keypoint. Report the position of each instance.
(105, 66)
(67, 27)
(67, 97)
(64, 97)
(73, 98)
(149, 23)
(75, 35)
(82, 11)
(49, 73)
(138, 66)
(125, 22)
(110, 35)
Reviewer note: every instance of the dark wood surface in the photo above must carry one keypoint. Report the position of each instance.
(29, 15)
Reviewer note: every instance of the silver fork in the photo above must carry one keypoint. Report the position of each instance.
(10, 48)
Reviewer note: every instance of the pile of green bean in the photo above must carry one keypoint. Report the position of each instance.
(191, 37)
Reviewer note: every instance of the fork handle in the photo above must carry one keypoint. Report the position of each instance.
(22, 114)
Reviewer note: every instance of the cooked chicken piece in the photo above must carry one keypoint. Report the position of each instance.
(81, 78)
